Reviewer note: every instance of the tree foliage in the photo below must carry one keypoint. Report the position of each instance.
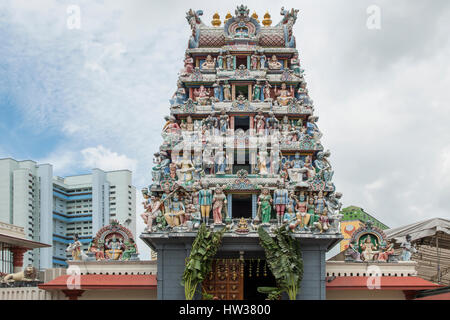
(284, 257)
(199, 262)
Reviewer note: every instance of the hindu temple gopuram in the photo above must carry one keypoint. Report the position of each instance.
(241, 150)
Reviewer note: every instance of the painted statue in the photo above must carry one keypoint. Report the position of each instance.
(188, 65)
(265, 205)
(262, 61)
(175, 213)
(284, 96)
(223, 122)
(386, 250)
(152, 212)
(267, 87)
(114, 248)
(217, 88)
(254, 61)
(256, 92)
(226, 91)
(259, 123)
(262, 162)
(323, 223)
(408, 249)
(219, 205)
(205, 201)
(295, 64)
(202, 95)
(301, 208)
(209, 63)
(274, 64)
(186, 169)
(368, 249)
(75, 249)
(280, 200)
(130, 249)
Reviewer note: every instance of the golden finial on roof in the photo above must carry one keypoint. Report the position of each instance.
(267, 22)
(255, 16)
(216, 20)
(227, 17)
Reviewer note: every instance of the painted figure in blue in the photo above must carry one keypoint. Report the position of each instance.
(223, 122)
(205, 200)
(230, 61)
(220, 60)
(217, 91)
(319, 203)
(408, 249)
(262, 60)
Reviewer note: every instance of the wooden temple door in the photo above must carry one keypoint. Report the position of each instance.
(226, 280)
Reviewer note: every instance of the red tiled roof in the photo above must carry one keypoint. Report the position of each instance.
(386, 283)
(442, 296)
(103, 281)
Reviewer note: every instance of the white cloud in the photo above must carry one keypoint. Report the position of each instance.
(105, 159)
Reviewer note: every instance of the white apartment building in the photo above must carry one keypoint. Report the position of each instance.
(53, 209)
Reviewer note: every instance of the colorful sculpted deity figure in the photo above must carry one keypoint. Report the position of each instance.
(323, 166)
(172, 126)
(285, 125)
(387, 249)
(75, 248)
(302, 94)
(217, 88)
(224, 122)
(320, 203)
(296, 168)
(220, 60)
(175, 215)
(408, 249)
(295, 64)
(209, 63)
(272, 122)
(312, 129)
(368, 249)
(262, 60)
(280, 201)
(219, 205)
(220, 162)
(311, 210)
(256, 91)
(309, 169)
(323, 224)
(267, 87)
(114, 248)
(226, 91)
(205, 201)
(130, 249)
(284, 95)
(189, 124)
(254, 61)
(230, 61)
(179, 97)
(265, 205)
(301, 211)
(274, 64)
(259, 123)
(262, 162)
(186, 169)
(202, 95)
(292, 200)
(289, 215)
(173, 171)
(96, 247)
(188, 65)
(152, 212)
(353, 251)
(208, 160)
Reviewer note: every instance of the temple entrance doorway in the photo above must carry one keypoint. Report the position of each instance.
(242, 206)
(257, 274)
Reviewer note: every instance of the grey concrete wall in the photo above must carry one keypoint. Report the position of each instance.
(172, 253)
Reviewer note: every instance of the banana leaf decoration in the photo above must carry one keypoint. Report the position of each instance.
(199, 262)
(284, 258)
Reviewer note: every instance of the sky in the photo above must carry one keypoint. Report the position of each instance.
(96, 96)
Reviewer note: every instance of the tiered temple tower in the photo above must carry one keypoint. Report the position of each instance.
(241, 150)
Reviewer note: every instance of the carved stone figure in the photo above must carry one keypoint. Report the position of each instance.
(254, 61)
(272, 122)
(274, 64)
(226, 91)
(217, 91)
(262, 61)
(29, 273)
(267, 87)
(186, 169)
(205, 201)
(224, 122)
(209, 63)
(265, 205)
(76, 250)
(202, 95)
(219, 205)
(408, 249)
(259, 123)
(188, 65)
(280, 201)
(368, 249)
(284, 95)
(256, 92)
